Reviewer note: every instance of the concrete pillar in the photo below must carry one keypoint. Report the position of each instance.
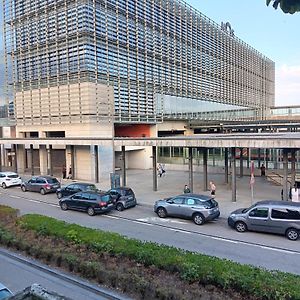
(258, 157)
(1, 157)
(214, 156)
(241, 163)
(14, 157)
(94, 164)
(233, 174)
(191, 181)
(105, 158)
(248, 157)
(285, 175)
(31, 162)
(123, 166)
(49, 161)
(226, 165)
(43, 159)
(205, 183)
(21, 158)
(267, 153)
(154, 165)
(293, 167)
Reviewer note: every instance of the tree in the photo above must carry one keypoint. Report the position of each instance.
(287, 6)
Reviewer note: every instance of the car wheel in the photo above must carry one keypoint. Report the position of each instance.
(23, 188)
(240, 226)
(198, 219)
(64, 206)
(59, 195)
(42, 191)
(91, 211)
(292, 234)
(3, 185)
(119, 207)
(161, 212)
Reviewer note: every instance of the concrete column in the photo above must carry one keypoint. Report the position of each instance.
(293, 167)
(205, 183)
(43, 159)
(21, 158)
(96, 164)
(105, 159)
(1, 157)
(154, 165)
(31, 159)
(258, 157)
(49, 161)
(248, 157)
(123, 166)
(191, 181)
(93, 163)
(233, 174)
(241, 163)
(226, 165)
(214, 156)
(267, 153)
(285, 175)
(73, 167)
(14, 157)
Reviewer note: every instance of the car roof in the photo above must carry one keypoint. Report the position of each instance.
(189, 195)
(81, 183)
(9, 173)
(3, 287)
(121, 188)
(278, 203)
(44, 176)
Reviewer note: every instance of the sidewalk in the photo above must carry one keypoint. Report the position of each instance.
(172, 183)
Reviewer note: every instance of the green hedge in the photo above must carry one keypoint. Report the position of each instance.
(191, 267)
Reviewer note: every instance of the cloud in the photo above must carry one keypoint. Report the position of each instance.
(287, 85)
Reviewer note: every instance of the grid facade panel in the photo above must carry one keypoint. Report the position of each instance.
(142, 48)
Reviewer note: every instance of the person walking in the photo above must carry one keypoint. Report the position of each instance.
(159, 170)
(295, 194)
(212, 188)
(262, 170)
(64, 172)
(186, 189)
(70, 173)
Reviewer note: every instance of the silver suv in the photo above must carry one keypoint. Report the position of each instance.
(199, 208)
(280, 217)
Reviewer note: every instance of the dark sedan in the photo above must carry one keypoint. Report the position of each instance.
(91, 202)
(41, 184)
(124, 197)
(74, 188)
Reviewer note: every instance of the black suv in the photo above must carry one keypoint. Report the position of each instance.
(90, 202)
(74, 188)
(42, 184)
(124, 197)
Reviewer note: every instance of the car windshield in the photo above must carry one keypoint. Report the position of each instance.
(4, 294)
(13, 176)
(210, 203)
(245, 210)
(91, 187)
(126, 192)
(52, 180)
(105, 198)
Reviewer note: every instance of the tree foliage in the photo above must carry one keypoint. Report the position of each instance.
(287, 6)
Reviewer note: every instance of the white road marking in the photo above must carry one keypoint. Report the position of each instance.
(12, 196)
(157, 219)
(139, 222)
(278, 250)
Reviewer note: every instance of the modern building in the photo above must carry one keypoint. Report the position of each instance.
(105, 68)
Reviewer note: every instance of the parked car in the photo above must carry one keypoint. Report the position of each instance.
(42, 184)
(74, 188)
(4, 292)
(91, 202)
(124, 197)
(9, 179)
(199, 208)
(280, 217)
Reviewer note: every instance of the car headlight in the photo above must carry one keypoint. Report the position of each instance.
(233, 215)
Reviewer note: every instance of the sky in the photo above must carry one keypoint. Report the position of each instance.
(270, 31)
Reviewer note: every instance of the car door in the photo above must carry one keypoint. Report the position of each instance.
(30, 184)
(188, 207)
(40, 182)
(258, 219)
(174, 207)
(74, 201)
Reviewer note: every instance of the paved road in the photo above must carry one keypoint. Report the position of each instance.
(18, 272)
(215, 238)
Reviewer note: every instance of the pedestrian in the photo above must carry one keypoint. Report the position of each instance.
(186, 189)
(212, 188)
(64, 172)
(163, 170)
(70, 173)
(263, 170)
(295, 194)
(159, 170)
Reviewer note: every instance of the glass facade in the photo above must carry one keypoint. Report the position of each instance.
(144, 49)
